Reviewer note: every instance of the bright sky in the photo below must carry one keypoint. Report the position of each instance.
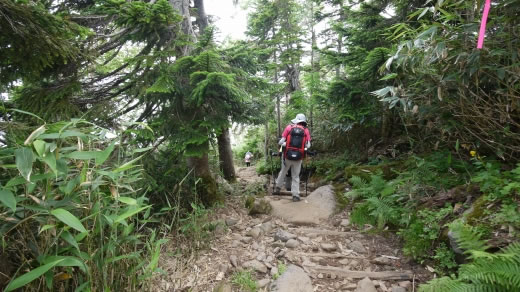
(230, 20)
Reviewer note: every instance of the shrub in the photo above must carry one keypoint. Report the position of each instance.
(72, 211)
(486, 271)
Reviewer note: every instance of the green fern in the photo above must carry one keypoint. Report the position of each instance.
(487, 272)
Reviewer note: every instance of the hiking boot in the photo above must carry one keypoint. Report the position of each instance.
(295, 199)
(276, 191)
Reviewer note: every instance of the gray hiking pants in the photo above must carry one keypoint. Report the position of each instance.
(295, 166)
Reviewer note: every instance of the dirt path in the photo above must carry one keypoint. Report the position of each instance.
(327, 254)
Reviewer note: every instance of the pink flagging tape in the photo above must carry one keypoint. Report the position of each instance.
(483, 22)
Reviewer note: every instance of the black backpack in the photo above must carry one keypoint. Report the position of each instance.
(295, 146)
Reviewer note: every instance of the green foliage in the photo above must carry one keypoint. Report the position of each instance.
(76, 210)
(444, 259)
(380, 203)
(196, 227)
(281, 269)
(444, 84)
(486, 272)
(245, 280)
(46, 41)
(423, 231)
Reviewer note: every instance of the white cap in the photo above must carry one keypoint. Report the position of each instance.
(300, 118)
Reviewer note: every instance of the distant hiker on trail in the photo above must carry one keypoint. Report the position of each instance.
(248, 157)
(297, 139)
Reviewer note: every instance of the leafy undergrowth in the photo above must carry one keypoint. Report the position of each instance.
(420, 197)
(75, 214)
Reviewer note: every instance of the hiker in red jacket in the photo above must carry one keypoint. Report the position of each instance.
(296, 139)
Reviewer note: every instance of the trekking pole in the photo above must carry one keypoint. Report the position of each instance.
(272, 170)
(310, 172)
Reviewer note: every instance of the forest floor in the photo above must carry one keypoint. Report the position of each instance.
(319, 254)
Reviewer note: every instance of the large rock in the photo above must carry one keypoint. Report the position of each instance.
(366, 285)
(294, 279)
(260, 206)
(319, 205)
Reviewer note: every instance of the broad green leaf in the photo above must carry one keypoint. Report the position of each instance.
(31, 276)
(127, 200)
(67, 261)
(83, 287)
(69, 219)
(39, 146)
(7, 198)
(45, 227)
(24, 161)
(61, 166)
(64, 134)
(65, 235)
(127, 165)
(129, 213)
(35, 134)
(105, 153)
(50, 160)
(27, 113)
(134, 254)
(84, 155)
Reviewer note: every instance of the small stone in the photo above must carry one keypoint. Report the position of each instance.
(350, 286)
(278, 244)
(292, 243)
(276, 250)
(304, 239)
(234, 260)
(283, 235)
(280, 254)
(406, 284)
(255, 245)
(267, 227)
(357, 247)
(398, 289)
(333, 276)
(223, 287)
(345, 222)
(223, 268)
(329, 247)
(256, 265)
(320, 276)
(262, 283)
(246, 239)
(274, 271)
(261, 256)
(382, 261)
(255, 232)
(231, 221)
(354, 263)
(366, 285)
(235, 243)
(344, 261)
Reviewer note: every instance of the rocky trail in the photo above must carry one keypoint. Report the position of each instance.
(297, 247)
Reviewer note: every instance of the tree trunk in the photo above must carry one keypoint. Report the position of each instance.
(266, 145)
(340, 39)
(226, 155)
(207, 187)
(277, 97)
(202, 18)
